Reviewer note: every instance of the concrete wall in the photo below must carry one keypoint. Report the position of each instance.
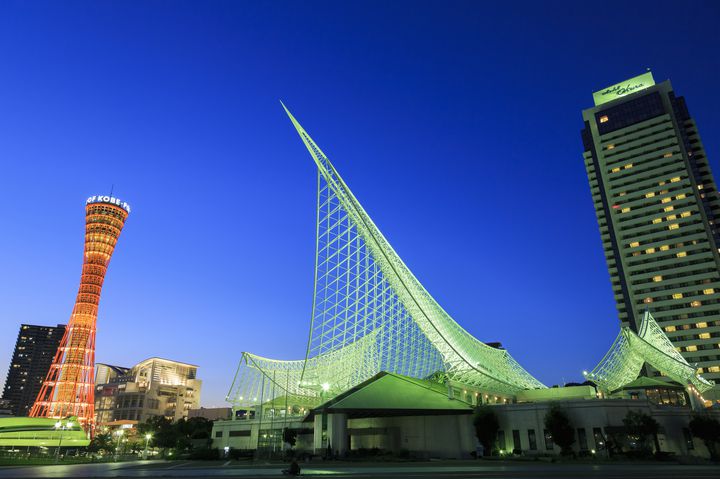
(426, 436)
(453, 436)
(592, 414)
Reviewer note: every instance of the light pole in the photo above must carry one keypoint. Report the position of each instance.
(147, 440)
(59, 426)
(119, 434)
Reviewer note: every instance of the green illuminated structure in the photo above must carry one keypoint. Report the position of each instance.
(630, 351)
(370, 314)
(42, 432)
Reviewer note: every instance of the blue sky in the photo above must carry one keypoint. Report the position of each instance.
(456, 124)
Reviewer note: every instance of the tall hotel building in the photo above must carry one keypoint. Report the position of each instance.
(34, 351)
(657, 206)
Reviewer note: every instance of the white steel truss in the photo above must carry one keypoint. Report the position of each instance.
(371, 314)
(624, 362)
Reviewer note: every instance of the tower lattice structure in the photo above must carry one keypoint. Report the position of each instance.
(68, 389)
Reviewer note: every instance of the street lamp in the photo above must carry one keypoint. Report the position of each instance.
(59, 426)
(147, 440)
(119, 434)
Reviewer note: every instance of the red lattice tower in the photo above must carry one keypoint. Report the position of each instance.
(68, 389)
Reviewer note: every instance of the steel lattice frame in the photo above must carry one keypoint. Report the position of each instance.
(622, 364)
(69, 389)
(364, 293)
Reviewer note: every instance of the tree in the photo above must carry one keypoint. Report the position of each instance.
(486, 427)
(558, 424)
(707, 429)
(101, 442)
(639, 426)
(164, 435)
(290, 436)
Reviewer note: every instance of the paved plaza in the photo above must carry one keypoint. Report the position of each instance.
(448, 469)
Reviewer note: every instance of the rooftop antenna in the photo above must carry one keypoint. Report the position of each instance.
(112, 187)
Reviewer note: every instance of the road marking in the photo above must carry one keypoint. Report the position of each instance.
(226, 463)
(176, 465)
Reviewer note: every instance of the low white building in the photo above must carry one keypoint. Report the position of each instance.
(402, 415)
(154, 387)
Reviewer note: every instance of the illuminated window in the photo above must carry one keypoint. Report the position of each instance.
(665, 200)
(671, 217)
(664, 247)
(661, 183)
(681, 254)
(673, 226)
(667, 155)
(691, 348)
(668, 208)
(675, 180)
(603, 119)
(611, 147)
(714, 369)
(700, 187)
(623, 193)
(657, 278)
(626, 209)
(650, 251)
(615, 170)
(669, 329)
(677, 296)
(709, 291)
(704, 336)
(695, 304)
(657, 220)
(681, 196)
(701, 325)
(628, 166)
(634, 244)
(650, 195)
(685, 214)
(647, 300)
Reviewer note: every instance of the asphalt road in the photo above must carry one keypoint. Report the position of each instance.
(188, 469)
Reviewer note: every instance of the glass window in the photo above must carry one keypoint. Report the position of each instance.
(599, 439)
(688, 439)
(603, 119)
(532, 440)
(501, 440)
(582, 439)
(549, 445)
(516, 440)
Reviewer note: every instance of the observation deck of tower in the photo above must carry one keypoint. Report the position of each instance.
(68, 389)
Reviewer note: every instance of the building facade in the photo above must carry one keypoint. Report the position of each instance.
(154, 387)
(657, 206)
(34, 351)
